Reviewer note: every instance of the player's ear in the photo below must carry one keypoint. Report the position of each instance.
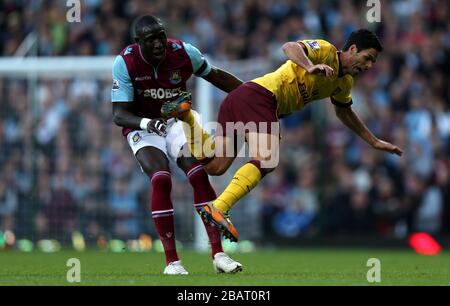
(353, 49)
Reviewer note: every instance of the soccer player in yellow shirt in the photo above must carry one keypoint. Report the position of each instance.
(315, 69)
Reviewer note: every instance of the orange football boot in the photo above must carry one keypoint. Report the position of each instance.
(222, 221)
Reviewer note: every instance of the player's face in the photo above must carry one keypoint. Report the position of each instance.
(361, 61)
(153, 43)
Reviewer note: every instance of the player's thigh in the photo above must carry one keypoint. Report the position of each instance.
(227, 146)
(176, 140)
(218, 164)
(176, 147)
(264, 147)
(149, 150)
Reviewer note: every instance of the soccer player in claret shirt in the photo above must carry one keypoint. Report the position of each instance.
(146, 75)
(315, 69)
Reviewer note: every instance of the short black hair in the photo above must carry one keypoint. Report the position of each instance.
(363, 39)
(144, 22)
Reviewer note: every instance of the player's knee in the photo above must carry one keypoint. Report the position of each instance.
(216, 169)
(150, 167)
(219, 171)
(161, 179)
(263, 167)
(150, 170)
(265, 171)
(151, 160)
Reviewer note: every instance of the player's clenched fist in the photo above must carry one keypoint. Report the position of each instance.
(158, 126)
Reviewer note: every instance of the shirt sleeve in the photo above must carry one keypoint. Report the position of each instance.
(200, 64)
(122, 88)
(318, 51)
(343, 97)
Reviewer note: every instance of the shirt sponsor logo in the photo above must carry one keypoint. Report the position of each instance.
(161, 93)
(304, 93)
(115, 85)
(336, 91)
(176, 47)
(307, 95)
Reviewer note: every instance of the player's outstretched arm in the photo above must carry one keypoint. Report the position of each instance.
(351, 120)
(222, 79)
(295, 51)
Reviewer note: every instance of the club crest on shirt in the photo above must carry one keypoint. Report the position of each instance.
(136, 137)
(129, 50)
(176, 47)
(175, 77)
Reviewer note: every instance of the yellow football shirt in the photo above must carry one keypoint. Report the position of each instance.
(294, 87)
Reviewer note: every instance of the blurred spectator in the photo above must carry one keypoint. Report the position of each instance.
(60, 211)
(302, 205)
(124, 206)
(273, 198)
(8, 206)
(361, 219)
(442, 181)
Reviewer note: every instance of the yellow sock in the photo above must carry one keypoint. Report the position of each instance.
(245, 179)
(197, 137)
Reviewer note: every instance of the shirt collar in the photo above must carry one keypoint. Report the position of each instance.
(340, 72)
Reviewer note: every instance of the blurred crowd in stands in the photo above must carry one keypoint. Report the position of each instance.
(65, 166)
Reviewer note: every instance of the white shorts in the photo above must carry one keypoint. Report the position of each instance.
(170, 145)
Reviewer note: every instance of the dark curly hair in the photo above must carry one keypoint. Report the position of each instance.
(363, 39)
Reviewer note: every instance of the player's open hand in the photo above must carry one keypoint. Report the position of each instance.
(321, 69)
(388, 147)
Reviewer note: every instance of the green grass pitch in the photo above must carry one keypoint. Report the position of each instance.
(293, 267)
